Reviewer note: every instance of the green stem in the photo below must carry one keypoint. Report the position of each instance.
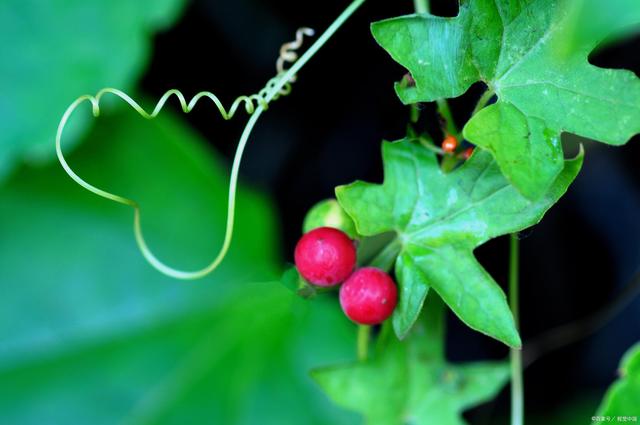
(414, 113)
(364, 333)
(449, 163)
(385, 258)
(517, 387)
(244, 138)
(428, 144)
(421, 6)
(514, 266)
(482, 102)
(445, 112)
(286, 77)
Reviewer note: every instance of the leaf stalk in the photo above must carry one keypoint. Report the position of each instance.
(517, 384)
(421, 6)
(364, 335)
(482, 102)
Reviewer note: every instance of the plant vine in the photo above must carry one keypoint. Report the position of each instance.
(254, 105)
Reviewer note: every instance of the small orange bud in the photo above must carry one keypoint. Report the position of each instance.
(449, 144)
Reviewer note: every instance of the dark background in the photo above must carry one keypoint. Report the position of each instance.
(328, 132)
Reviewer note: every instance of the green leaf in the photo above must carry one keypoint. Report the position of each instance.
(527, 151)
(295, 283)
(291, 279)
(623, 397)
(55, 51)
(91, 334)
(413, 291)
(593, 20)
(440, 219)
(411, 382)
(527, 52)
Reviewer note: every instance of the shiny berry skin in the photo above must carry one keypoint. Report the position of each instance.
(369, 296)
(449, 144)
(467, 153)
(325, 256)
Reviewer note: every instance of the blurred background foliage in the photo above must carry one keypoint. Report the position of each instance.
(54, 50)
(90, 334)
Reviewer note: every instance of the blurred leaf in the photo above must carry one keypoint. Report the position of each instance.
(291, 279)
(295, 283)
(623, 397)
(592, 20)
(91, 334)
(56, 50)
(440, 219)
(411, 382)
(544, 85)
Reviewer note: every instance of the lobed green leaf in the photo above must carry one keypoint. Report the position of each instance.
(534, 55)
(411, 382)
(439, 220)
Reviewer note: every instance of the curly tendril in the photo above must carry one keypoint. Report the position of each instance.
(253, 104)
(288, 51)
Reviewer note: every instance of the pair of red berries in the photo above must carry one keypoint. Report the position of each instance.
(327, 257)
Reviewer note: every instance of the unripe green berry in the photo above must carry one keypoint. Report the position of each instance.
(329, 213)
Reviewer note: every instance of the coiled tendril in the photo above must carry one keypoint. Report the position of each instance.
(253, 104)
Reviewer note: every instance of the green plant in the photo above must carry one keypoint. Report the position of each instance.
(536, 68)
(437, 204)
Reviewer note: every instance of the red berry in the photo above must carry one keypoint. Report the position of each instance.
(325, 256)
(449, 144)
(467, 153)
(369, 296)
